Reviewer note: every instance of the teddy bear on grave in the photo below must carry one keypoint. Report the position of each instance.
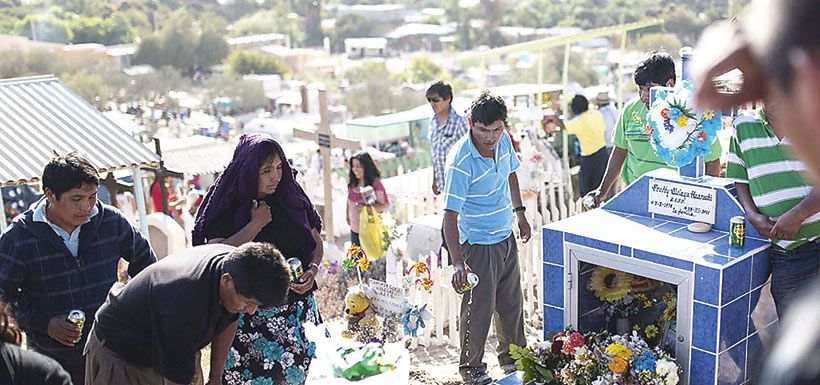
(362, 322)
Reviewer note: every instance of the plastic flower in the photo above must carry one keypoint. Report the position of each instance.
(609, 285)
(651, 331)
(574, 341)
(617, 365)
(645, 362)
(674, 114)
(619, 351)
(708, 114)
(682, 121)
(665, 113)
(363, 263)
(558, 342)
(701, 136)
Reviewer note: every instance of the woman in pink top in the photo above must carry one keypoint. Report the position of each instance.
(363, 173)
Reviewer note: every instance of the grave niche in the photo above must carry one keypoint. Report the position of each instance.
(709, 303)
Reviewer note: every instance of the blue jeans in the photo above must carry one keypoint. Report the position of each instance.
(792, 270)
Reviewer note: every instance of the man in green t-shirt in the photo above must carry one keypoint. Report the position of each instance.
(633, 154)
(778, 201)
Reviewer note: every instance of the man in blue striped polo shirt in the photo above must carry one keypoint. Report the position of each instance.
(481, 195)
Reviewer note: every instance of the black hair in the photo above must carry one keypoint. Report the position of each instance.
(658, 68)
(67, 172)
(259, 271)
(488, 108)
(266, 152)
(442, 89)
(371, 172)
(579, 105)
(797, 28)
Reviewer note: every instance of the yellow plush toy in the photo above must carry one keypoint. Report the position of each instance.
(361, 318)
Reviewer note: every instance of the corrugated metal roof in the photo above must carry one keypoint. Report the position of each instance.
(40, 116)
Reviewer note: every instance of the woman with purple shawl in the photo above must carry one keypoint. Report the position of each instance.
(257, 199)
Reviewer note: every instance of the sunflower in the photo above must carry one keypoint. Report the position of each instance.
(609, 285)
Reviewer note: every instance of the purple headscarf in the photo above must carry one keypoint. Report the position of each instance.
(238, 186)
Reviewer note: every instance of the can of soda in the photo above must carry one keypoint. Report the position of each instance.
(472, 282)
(76, 318)
(296, 271)
(737, 231)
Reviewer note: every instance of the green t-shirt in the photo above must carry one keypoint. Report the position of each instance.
(757, 157)
(631, 135)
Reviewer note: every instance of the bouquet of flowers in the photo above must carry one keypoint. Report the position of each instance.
(678, 132)
(573, 358)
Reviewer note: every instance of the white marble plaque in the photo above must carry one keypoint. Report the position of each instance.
(682, 201)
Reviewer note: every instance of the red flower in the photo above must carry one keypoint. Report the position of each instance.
(663, 113)
(649, 130)
(574, 341)
(701, 136)
(558, 342)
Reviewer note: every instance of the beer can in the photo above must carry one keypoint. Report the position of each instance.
(737, 231)
(472, 282)
(296, 271)
(76, 318)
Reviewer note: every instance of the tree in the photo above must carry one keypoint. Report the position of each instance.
(250, 62)
(44, 28)
(371, 90)
(185, 44)
(423, 69)
(107, 31)
(248, 95)
(656, 41)
(89, 86)
(349, 26)
(276, 20)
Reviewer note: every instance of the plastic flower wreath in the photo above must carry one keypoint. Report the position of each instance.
(420, 269)
(678, 133)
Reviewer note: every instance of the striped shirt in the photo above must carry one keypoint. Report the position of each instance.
(442, 138)
(478, 189)
(776, 182)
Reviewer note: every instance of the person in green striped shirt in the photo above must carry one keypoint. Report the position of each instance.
(778, 201)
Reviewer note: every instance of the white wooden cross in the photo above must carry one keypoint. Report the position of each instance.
(326, 141)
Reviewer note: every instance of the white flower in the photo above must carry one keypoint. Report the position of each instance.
(287, 359)
(672, 379)
(544, 345)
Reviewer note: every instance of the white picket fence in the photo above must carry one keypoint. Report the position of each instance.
(554, 201)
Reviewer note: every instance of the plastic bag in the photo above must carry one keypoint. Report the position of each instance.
(372, 233)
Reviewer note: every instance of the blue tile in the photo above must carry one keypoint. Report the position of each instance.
(707, 284)
(760, 268)
(593, 243)
(733, 322)
(736, 280)
(632, 200)
(553, 320)
(553, 246)
(754, 354)
(701, 368)
(761, 309)
(717, 259)
(698, 237)
(704, 327)
(646, 221)
(732, 365)
(722, 247)
(513, 379)
(663, 260)
(670, 227)
(554, 293)
(626, 251)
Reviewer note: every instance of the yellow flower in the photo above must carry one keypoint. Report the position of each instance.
(609, 285)
(617, 365)
(651, 331)
(363, 263)
(708, 114)
(682, 121)
(619, 351)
